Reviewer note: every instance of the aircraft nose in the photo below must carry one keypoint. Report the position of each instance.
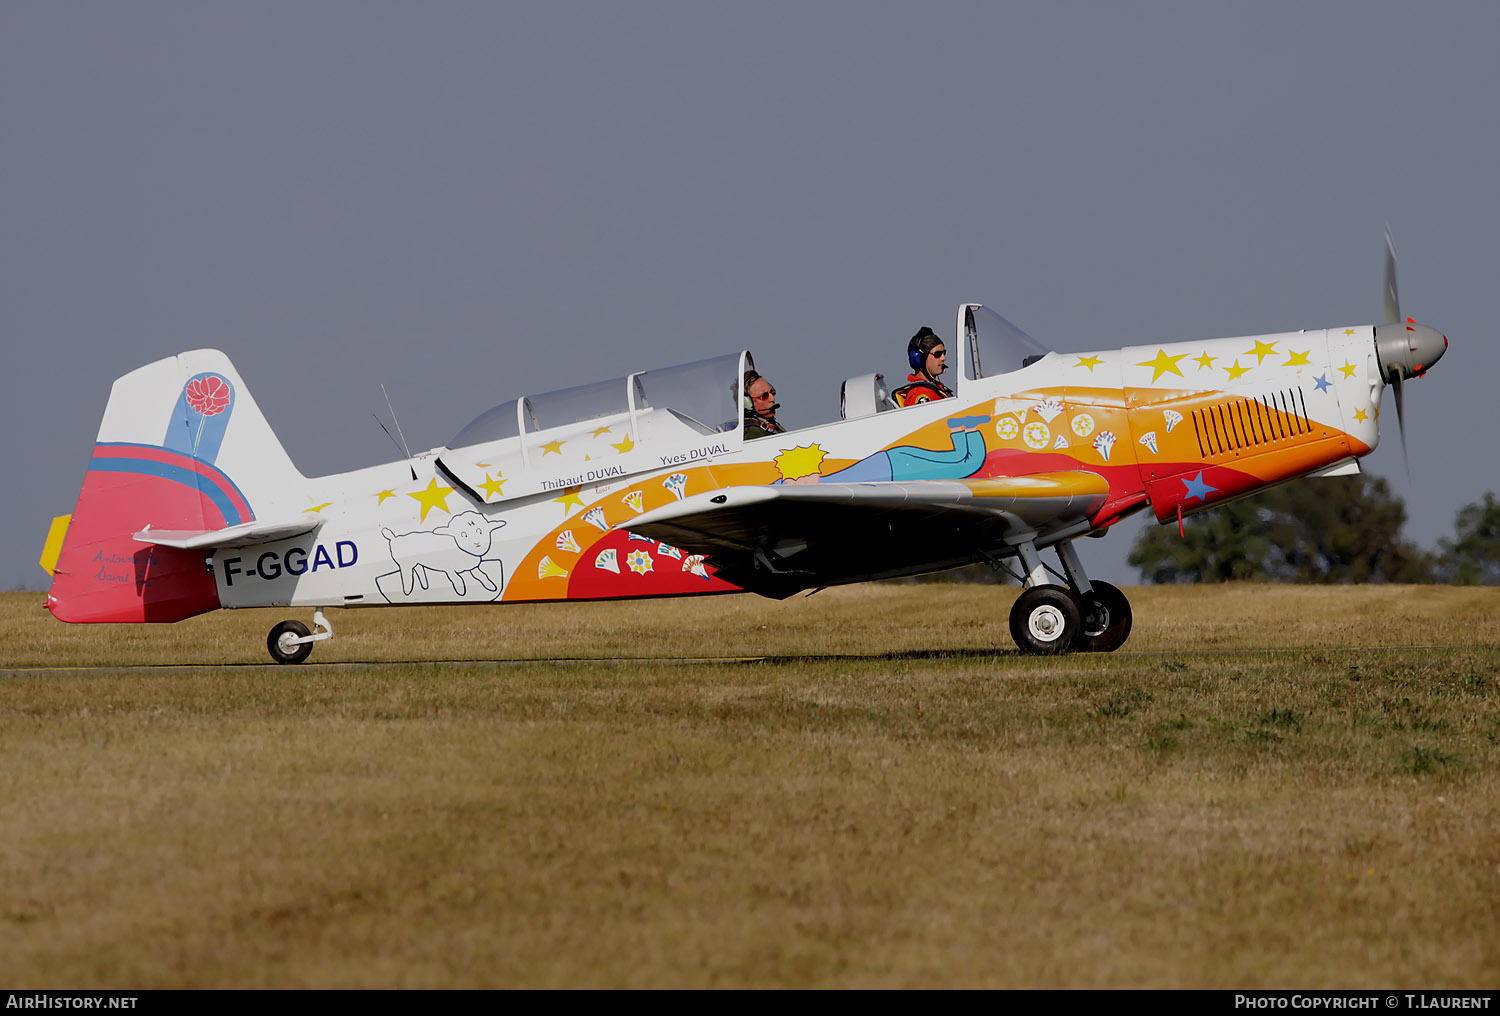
(1408, 349)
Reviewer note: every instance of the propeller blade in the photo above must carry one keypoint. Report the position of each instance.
(1392, 301)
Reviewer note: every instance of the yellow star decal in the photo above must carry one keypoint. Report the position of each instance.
(1236, 370)
(317, 507)
(1204, 361)
(1261, 351)
(433, 497)
(1348, 369)
(1348, 331)
(1298, 358)
(601, 430)
(485, 465)
(553, 447)
(624, 446)
(492, 488)
(383, 495)
(1088, 361)
(1163, 364)
(570, 498)
(1361, 415)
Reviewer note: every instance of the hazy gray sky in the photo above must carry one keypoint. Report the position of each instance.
(469, 201)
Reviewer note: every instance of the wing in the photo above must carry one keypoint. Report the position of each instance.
(778, 539)
(233, 536)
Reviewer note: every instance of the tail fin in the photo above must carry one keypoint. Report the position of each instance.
(182, 446)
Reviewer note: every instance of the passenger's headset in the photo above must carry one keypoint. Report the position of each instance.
(750, 378)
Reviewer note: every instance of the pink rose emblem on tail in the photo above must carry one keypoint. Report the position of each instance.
(208, 395)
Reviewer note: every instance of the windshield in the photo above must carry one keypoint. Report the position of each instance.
(704, 395)
(995, 346)
(693, 398)
(492, 425)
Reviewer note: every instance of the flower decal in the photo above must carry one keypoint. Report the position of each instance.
(208, 395)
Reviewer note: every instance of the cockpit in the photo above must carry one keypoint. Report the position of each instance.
(589, 433)
(683, 414)
(990, 346)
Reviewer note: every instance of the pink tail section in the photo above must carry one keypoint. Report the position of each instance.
(104, 574)
(167, 431)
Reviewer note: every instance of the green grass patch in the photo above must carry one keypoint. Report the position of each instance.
(733, 792)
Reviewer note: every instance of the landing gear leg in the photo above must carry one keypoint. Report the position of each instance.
(1085, 616)
(291, 642)
(1106, 611)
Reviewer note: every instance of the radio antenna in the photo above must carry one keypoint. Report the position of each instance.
(397, 422)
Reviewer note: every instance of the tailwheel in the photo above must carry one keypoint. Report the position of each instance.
(1046, 620)
(1106, 618)
(289, 642)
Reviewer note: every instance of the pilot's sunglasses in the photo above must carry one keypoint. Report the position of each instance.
(768, 395)
(938, 352)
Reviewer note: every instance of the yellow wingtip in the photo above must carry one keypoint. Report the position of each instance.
(52, 549)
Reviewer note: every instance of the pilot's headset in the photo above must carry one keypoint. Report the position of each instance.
(920, 345)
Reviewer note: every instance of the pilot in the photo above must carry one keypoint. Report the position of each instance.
(927, 356)
(760, 407)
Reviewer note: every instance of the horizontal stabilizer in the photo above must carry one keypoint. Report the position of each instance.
(234, 536)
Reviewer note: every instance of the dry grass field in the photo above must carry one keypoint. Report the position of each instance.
(1270, 786)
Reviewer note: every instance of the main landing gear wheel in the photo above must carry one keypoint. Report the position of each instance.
(1106, 618)
(1046, 620)
(284, 645)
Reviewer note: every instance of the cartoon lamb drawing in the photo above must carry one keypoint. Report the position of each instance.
(455, 549)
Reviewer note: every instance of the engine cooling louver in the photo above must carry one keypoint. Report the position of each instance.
(1270, 419)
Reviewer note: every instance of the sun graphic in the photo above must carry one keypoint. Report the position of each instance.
(1037, 434)
(795, 463)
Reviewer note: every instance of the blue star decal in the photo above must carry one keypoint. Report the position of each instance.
(1197, 488)
(1323, 382)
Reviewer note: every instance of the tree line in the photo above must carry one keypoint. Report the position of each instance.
(1341, 529)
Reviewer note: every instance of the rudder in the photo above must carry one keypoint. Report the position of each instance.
(182, 446)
